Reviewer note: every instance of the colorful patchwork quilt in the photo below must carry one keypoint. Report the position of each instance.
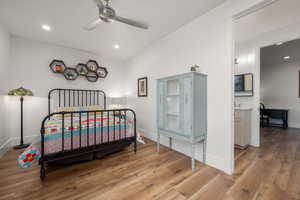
(93, 130)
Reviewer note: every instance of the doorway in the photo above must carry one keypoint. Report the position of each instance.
(254, 32)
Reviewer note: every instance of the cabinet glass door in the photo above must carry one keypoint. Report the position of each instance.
(173, 105)
(160, 104)
(187, 106)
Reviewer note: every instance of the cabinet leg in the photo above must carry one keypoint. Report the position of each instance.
(170, 143)
(158, 142)
(193, 157)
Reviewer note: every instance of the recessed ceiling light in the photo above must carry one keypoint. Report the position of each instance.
(279, 43)
(46, 27)
(116, 46)
(286, 57)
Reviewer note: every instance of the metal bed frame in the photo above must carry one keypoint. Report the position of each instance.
(77, 97)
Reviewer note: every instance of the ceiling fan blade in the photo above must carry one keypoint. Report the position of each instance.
(99, 4)
(131, 22)
(92, 25)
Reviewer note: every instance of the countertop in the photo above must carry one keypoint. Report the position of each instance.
(242, 108)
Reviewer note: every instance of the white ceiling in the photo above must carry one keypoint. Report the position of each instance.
(273, 55)
(280, 14)
(67, 17)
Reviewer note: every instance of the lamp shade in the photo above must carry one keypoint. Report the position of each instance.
(20, 92)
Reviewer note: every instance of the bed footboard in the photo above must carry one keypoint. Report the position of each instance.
(88, 132)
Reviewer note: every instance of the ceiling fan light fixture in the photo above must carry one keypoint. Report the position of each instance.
(105, 19)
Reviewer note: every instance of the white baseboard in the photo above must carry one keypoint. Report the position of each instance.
(27, 139)
(15, 141)
(5, 147)
(294, 125)
(211, 160)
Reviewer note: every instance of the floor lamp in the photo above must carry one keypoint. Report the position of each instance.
(21, 92)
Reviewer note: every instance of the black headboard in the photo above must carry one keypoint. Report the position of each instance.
(76, 97)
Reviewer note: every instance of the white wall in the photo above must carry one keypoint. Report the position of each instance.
(249, 53)
(4, 55)
(4, 63)
(206, 41)
(275, 94)
(30, 68)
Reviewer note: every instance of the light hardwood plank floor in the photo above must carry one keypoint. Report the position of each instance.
(271, 172)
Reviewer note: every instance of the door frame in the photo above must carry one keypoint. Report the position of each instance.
(260, 5)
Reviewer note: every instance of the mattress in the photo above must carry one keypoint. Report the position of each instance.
(94, 130)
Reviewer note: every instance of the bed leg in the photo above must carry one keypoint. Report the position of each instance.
(135, 146)
(42, 172)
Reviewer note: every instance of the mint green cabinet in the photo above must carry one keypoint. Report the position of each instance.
(182, 109)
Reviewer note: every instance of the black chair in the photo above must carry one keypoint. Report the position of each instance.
(264, 117)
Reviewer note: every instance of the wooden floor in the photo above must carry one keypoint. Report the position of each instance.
(270, 172)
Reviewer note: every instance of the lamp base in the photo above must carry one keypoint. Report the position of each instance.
(21, 146)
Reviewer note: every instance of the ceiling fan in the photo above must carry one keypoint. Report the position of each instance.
(107, 14)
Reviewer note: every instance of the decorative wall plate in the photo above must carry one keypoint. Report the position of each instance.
(92, 65)
(92, 77)
(82, 69)
(102, 72)
(57, 66)
(70, 74)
